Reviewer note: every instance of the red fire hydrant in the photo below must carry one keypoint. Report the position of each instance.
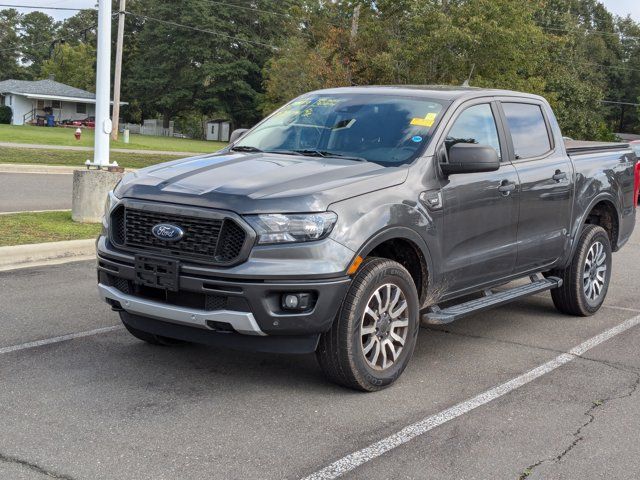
(78, 133)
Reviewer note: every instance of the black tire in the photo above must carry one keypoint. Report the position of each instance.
(571, 298)
(341, 351)
(146, 336)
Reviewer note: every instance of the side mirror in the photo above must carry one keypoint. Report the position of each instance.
(471, 158)
(237, 133)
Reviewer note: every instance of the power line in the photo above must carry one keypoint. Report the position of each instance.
(620, 103)
(586, 30)
(251, 8)
(202, 30)
(34, 7)
(50, 42)
(268, 12)
(610, 67)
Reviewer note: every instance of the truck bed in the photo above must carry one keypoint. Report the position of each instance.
(577, 147)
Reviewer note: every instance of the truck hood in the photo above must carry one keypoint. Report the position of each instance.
(258, 182)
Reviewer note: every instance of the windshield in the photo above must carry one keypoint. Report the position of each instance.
(388, 130)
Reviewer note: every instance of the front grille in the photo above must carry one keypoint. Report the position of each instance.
(211, 240)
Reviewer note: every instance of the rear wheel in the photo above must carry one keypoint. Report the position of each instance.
(375, 331)
(586, 279)
(146, 336)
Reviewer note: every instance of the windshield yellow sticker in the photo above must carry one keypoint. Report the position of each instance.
(327, 102)
(426, 121)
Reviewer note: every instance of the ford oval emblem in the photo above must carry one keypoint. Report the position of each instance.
(167, 232)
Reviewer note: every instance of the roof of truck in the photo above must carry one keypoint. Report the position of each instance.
(441, 92)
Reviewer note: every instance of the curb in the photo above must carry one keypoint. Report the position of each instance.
(38, 254)
(35, 211)
(35, 168)
(48, 169)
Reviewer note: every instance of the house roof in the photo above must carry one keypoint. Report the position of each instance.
(49, 88)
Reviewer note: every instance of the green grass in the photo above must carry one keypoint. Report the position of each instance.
(77, 159)
(64, 137)
(25, 228)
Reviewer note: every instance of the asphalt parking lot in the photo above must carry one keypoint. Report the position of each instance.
(106, 406)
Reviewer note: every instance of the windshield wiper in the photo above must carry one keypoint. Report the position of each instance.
(245, 148)
(325, 153)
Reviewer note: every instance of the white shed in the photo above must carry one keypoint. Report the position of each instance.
(218, 130)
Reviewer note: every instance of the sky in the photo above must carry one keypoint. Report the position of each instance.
(57, 14)
(624, 8)
(618, 7)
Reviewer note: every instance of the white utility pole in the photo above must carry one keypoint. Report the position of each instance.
(103, 87)
(118, 73)
(90, 187)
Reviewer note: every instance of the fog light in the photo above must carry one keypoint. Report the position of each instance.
(296, 301)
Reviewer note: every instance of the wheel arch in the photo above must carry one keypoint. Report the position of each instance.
(604, 212)
(405, 246)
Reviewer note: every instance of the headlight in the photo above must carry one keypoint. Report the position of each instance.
(110, 202)
(288, 228)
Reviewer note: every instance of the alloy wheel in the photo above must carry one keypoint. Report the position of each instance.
(384, 326)
(595, 272)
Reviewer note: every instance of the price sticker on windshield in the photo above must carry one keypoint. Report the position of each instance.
(426, 121)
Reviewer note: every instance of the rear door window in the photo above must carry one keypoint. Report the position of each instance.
(528, 129)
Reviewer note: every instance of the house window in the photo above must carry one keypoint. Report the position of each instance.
(40, 105)
(81, 108)
(55, 103)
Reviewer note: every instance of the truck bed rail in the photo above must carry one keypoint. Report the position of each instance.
(577, 147)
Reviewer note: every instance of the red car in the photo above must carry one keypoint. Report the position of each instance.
(89, 122)
(635, 145)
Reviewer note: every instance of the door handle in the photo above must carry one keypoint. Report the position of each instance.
(559, 176)
(506, 187)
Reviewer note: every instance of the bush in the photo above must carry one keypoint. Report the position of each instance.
(191, 124)
(5, 114)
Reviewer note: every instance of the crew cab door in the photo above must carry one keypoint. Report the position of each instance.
(546, 183)
(480, 210)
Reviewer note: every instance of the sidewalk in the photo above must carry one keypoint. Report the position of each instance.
(89, 149)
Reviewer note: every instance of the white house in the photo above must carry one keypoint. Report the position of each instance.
(28, 99)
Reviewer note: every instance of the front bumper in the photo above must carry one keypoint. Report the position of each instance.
(241, 322)
(253, 307)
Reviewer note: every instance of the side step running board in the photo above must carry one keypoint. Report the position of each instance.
(437, 316)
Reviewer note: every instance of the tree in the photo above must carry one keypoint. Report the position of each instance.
(174, 69)
(567, 50)
(73, 65)
(80, 28)
(38, 31)
(9, 44)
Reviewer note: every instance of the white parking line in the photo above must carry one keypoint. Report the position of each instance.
(355, 459)
(62, 338)
(624, 309)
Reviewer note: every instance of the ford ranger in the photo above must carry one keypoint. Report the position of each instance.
(350, 215)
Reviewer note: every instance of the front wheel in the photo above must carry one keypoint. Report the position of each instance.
(375, 331)
(586, 279)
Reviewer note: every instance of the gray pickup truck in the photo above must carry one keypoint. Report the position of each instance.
(344, 219)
